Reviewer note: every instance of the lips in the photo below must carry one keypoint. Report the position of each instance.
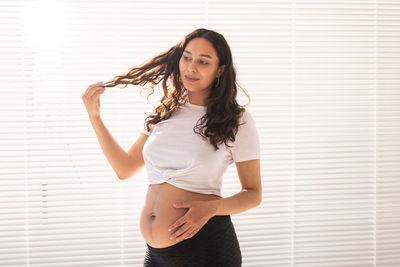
(190, 78)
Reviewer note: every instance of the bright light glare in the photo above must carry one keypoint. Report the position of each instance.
(45, 22)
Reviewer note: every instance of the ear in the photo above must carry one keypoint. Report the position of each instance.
(220, 70)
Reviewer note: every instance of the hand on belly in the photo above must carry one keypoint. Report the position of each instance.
(159, 213)
(165, 218)
(154, 226)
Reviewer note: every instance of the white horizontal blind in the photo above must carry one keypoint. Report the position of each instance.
(323, 77)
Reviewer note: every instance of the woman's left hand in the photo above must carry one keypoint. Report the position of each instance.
(194, 219)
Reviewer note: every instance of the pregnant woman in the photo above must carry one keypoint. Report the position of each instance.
(189, 140)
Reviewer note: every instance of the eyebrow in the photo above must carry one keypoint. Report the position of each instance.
(203, 55)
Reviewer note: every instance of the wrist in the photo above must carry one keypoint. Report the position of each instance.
(215, 204)
(94, 117)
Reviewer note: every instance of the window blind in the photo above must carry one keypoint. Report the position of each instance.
(323, 79)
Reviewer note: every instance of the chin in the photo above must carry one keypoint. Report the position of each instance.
(187, 86)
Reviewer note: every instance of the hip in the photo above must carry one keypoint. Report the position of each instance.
(215, 244)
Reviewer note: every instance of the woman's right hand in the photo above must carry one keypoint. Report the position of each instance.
(91, 98)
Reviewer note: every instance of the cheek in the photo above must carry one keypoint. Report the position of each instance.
(211, 76)
(181, 65)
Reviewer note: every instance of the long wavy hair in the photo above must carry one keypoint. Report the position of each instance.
(221, 121)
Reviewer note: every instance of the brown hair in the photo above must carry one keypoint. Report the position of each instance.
(221, 120)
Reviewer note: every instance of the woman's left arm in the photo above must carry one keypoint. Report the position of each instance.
(199, 212)
(251, 194)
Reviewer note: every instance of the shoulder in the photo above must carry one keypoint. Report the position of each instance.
(246, 117)
(246, 125)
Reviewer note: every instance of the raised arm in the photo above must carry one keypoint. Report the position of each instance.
(125, 164)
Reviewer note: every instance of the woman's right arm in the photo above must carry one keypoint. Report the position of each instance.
(116, 156)
(124, 164)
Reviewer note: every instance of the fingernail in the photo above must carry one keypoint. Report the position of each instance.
(171, 238)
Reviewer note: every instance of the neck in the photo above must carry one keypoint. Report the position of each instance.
(197, 99)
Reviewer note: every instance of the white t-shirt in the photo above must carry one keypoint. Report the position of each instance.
(175, 154)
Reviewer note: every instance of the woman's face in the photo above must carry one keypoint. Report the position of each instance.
(199, 61)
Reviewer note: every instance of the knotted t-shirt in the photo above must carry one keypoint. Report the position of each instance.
(175, 154)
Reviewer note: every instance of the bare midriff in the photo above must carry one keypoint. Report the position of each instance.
(158, 212)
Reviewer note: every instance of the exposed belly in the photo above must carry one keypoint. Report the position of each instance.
(158, 213)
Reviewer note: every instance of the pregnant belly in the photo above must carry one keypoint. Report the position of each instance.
(158, 213)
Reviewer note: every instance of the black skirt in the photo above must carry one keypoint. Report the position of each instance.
(215, 244)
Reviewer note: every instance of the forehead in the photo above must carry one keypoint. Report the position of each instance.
(201, 46)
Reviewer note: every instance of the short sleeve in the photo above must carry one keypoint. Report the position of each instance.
(247, 143)
(144, 131)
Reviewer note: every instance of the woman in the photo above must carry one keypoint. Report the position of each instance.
(190, 139)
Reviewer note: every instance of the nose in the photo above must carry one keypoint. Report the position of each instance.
(192, 67)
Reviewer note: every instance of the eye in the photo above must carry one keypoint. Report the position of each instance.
(202, 62)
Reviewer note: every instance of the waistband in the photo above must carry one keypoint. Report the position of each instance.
(218, 219)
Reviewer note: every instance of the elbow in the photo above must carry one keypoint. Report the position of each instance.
(256, 196)
(122, 177)
(125, 175)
